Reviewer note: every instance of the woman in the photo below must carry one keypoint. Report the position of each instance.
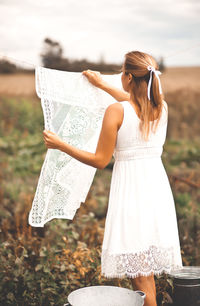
(141, 236)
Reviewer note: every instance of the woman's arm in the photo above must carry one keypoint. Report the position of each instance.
(115, 92)
(96, 79)
(112, 120)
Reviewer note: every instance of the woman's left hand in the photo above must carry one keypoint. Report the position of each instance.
(52, 141)
(94, 77)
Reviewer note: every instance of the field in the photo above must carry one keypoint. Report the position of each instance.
(172, 79)
(41, 266)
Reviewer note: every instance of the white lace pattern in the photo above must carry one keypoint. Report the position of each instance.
(73, 109)
(143, 263)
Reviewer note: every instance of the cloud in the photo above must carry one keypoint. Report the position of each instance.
(88, 29)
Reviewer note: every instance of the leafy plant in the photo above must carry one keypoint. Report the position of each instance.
(41, 266)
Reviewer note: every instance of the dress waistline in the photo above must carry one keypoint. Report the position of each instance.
(137, 153)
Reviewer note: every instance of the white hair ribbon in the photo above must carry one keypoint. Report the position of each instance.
(157, 73)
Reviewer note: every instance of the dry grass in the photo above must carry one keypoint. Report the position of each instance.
(172, 79)
(177, 78)
(17, 85)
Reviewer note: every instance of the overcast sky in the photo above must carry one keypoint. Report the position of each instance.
(109, 28)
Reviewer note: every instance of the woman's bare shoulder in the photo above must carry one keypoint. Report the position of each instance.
(115, 107)
(115, 113)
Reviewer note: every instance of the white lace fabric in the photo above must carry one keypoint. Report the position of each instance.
(73, 109)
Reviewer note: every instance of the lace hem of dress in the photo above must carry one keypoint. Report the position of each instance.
(154, 260)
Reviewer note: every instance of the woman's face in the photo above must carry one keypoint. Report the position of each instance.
(125, 79)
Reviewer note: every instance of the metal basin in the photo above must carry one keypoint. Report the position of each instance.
(105, 296)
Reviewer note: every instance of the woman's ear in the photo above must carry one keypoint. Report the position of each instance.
(130, 77)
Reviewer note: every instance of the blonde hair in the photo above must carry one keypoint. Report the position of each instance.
(136, 64)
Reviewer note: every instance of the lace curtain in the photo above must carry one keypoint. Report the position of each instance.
(73, 109)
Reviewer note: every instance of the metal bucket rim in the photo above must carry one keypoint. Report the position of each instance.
(187, 272)
(139, 293)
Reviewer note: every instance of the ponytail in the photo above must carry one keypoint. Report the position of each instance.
(145, 89)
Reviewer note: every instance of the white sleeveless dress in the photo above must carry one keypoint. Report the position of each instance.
(141, 233)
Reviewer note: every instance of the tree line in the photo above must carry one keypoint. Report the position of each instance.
(52, 57)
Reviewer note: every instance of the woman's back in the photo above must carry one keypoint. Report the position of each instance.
(130, 144)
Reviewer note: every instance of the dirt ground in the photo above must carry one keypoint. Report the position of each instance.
(172, 79)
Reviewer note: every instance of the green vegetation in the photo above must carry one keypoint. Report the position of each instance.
(41, 266)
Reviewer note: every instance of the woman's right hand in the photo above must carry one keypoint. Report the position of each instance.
(94, 77)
